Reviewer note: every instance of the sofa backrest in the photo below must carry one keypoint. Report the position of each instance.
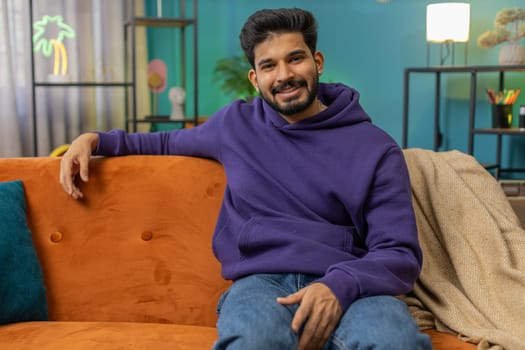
(136, 248)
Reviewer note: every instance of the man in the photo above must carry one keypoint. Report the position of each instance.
(316, 229)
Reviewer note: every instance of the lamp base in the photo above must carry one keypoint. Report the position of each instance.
(447, 53)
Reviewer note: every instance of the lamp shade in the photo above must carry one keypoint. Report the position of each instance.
(448, 21)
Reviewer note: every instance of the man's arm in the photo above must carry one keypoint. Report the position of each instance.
(75, 162)
(393, 259)
(390, 267)
(201, 141)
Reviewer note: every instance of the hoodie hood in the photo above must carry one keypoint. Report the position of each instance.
(343, 109)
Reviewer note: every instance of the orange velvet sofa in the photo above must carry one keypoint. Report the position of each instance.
(130, 266)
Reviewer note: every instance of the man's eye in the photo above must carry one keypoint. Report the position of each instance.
(266, 66)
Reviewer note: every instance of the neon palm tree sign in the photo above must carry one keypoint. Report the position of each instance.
(50, 32)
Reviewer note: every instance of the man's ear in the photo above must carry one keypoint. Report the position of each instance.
(252, 76)
(319, 61)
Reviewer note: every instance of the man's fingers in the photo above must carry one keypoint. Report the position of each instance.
(316, 331)
(82, 163)
(318, 314)
(309, 338)
(69, 168)
(76, 194)
(75, 162)
(65, 177)
(300, 316)
(291, 299)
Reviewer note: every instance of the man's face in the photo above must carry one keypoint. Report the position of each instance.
(286, 75)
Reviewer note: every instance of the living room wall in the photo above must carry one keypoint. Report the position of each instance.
(367, 45)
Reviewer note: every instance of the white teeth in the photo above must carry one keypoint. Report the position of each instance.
(288, 89)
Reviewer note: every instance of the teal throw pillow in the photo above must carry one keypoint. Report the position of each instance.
(22, 290)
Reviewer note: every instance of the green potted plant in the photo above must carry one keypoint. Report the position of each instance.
(232, 73)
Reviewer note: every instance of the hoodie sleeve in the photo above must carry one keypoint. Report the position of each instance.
(201, 141)
(393, 261)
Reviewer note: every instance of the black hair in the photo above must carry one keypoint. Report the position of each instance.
(259, 26)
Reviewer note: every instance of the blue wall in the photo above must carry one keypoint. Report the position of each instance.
(367, 45)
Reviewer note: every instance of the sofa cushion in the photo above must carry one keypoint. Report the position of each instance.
(138, 336)
(105, 336)
(22, 291)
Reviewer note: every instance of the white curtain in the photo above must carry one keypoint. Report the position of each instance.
(94, 54)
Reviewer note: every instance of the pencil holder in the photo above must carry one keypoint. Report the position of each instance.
(521, 124)
(501, 115)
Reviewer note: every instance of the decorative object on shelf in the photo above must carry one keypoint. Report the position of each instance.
(44, 42)
(521, 124)
(501, 115)
(511, 53)
(502, 105)
(156, 81)
(503, 97)
(232, 73)
(177, 97)
(448, 23)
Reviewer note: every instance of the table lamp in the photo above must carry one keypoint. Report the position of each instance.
(447, 23)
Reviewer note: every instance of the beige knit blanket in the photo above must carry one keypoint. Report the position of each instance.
(473, 277)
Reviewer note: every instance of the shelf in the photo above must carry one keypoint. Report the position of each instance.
(163, 119)
(500, 131)
(161, 22)
(187, 41)
(472, 130)
(466, 69)
(490, 165)
(86, 84)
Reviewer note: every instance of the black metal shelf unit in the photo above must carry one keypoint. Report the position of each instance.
(472, 130)
(181, 24)
(35, 84)
(130, 81)
(87, 84)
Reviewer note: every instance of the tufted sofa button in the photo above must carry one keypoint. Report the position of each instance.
(56, 237)
(147, 235)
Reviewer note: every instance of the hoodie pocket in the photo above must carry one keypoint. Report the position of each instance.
(262, 235)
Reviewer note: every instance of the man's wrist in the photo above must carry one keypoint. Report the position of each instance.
(92, 139)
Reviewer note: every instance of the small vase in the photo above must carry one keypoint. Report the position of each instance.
(511, 55)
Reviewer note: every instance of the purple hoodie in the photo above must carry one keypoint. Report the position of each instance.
(329, 195)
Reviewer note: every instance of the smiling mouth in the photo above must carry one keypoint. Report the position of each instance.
(288, 87)
(289, 94)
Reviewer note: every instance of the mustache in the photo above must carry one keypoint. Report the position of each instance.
(288, 84)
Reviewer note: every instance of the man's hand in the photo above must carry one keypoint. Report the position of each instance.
(319, 311)
(75, 162)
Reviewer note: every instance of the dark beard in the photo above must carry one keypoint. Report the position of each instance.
(291, 108)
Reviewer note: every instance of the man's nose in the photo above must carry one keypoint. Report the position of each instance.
(284, 72)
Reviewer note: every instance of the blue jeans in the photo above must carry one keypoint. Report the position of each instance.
(251, 319)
